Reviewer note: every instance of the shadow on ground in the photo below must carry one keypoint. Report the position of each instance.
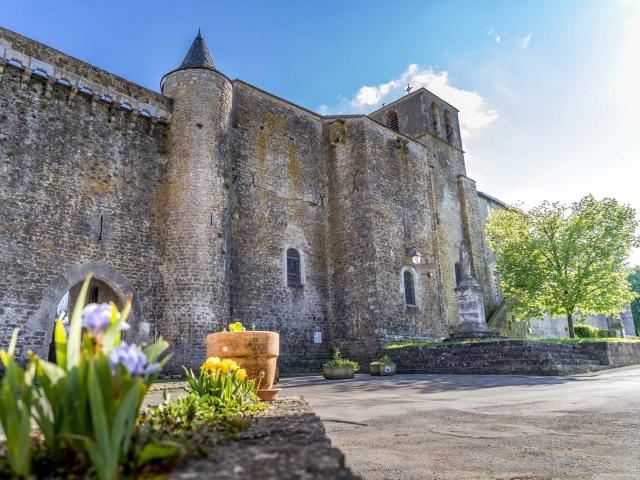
(431, 383)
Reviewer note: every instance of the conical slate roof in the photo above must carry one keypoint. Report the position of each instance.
(198, 55)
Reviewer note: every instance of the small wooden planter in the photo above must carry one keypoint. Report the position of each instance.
(338, 373)
(382, 369)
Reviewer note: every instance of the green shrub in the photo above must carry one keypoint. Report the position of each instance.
(604, 333)
(338, 361)
(586, 331)
(385, 360)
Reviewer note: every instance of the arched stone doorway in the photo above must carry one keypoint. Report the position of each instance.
(108, 284)
(99, 292)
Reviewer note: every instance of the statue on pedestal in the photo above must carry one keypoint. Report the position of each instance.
(471, 321)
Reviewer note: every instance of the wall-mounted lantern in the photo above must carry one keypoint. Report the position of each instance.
(415, 255)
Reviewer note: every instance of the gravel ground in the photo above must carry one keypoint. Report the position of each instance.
(482, 426)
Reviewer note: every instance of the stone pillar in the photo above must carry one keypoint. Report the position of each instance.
(194, 202)
(473, 228)
(626, 319)
(471, 319)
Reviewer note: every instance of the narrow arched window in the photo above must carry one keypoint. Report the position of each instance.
(409, 289)
(458, 274)
(449, 125)
(294, 275)
(392, 121)
(435, 114)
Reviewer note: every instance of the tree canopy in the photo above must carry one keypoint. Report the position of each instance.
(564, 259)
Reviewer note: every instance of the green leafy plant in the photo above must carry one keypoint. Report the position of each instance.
(588, 331)
(218, 399)
(338, 361)
(92, 395)
(384, 360)
(16, 398)
(223, 384)
(236, 327)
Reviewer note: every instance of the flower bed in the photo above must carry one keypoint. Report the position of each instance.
(86, 405)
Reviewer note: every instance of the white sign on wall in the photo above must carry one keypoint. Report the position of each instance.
(317, 336)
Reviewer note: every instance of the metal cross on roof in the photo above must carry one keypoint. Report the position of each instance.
(408, 89)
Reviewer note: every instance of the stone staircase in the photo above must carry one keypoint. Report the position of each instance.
(499, 357)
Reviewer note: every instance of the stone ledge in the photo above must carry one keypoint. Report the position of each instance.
(515, 357)
(287, 442)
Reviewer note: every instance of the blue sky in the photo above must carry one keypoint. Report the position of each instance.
(548, 90)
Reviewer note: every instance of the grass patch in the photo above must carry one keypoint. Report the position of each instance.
(433, 343)
(561, 341)
(570, 341)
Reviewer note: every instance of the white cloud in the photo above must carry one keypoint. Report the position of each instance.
(474, 113)
(495, 35)
(524, 41)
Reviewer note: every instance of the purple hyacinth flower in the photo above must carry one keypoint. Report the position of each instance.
(152, 368)
(130, 356)
(133, 359)
(96, 318)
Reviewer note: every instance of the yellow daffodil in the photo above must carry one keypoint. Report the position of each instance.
(242, 374)
(211, 364)
(227, 365)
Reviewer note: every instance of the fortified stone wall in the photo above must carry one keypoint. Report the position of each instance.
(53, 67)
(278, 182)
(403, 217)
(77, 185)
(350, 239)
(195, 218)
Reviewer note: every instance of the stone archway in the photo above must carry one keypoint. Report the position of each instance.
(114, 284)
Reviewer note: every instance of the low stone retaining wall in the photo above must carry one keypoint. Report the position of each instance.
(287, 442)
(515, 357)
(615, 354)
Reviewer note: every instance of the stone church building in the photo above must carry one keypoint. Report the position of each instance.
(215, 201)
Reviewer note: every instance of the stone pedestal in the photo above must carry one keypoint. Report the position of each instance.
(471, 321)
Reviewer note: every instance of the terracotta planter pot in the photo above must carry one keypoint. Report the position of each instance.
(382, 369)
(337, 373)
(256, 352)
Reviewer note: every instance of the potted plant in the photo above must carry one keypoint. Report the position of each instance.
(255, 351)
(339, 368)
(382, 366)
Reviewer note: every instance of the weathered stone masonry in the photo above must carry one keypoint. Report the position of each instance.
(189, 199)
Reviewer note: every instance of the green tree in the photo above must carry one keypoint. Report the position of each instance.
(564, 260)
(634, 280)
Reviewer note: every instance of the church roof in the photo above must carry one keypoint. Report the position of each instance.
(198, 55)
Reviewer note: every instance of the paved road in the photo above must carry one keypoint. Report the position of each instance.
(482, 426)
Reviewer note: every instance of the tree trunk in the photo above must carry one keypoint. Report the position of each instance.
(572, 332)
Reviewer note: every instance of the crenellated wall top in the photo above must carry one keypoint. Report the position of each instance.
(38, 59)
